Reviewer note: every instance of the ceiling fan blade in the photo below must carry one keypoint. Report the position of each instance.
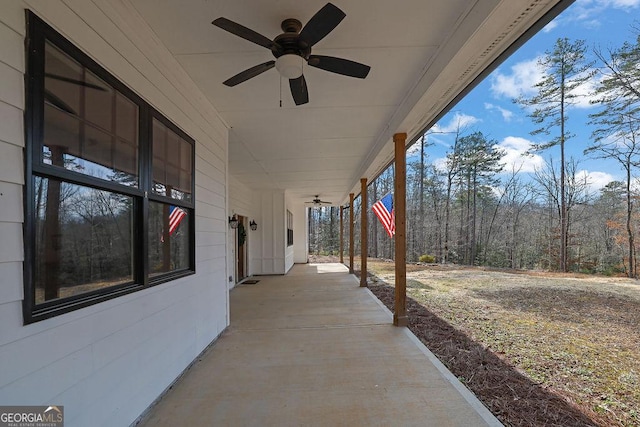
(322, 23)
(74, 81)
(339, 66)
(55, 100)
(249, 73)
(244, 32)
(299, 90)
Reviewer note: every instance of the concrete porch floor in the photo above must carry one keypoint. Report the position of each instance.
(313, 348)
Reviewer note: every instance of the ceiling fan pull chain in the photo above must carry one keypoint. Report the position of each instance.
(280, 91)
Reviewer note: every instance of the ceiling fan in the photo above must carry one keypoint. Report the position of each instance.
(316, 202)
(293, 47)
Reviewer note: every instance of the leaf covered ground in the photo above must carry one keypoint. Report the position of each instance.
(536, 348)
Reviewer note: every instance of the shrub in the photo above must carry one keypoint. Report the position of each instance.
(429, 259)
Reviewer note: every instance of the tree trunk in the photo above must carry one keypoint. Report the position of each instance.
(632, 269)
(564, 234)
(472, 241)
(420, 218)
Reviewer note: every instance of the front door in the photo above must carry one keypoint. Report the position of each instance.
(241, 241)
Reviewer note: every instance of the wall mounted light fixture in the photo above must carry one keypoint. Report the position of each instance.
(233, 221)
(253, 225)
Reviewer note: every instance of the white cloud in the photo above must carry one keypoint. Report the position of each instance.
(624, 4)
(507, 115)
(588, 12)
(523, 77)
(459, 121)
(551, 26)
(437, 134)
(520, 81)
(414, 149)
(585, 93)
(441, 133)
(595, 180)
(440, 164)
(595, 6)
(515, 158)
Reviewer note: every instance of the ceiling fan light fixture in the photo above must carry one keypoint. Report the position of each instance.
(289, 66)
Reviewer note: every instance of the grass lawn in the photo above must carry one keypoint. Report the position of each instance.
(574, 340)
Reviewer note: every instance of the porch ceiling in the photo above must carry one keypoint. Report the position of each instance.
(422, 54)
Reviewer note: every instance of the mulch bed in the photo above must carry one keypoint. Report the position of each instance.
(513, 398)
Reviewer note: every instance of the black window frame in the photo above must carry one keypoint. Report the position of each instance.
(289, 228)
(38, 34)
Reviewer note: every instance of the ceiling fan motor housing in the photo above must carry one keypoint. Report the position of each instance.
(290, 41)
(291, 25)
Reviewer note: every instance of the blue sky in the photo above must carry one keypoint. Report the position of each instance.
(489, 107)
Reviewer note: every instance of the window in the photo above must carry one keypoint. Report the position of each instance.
(289, 228)
(109, 188)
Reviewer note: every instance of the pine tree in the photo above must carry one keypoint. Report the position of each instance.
(565, 70)
(479, 162)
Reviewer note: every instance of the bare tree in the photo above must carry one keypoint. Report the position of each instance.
(616, 136)
(514, 196)
(451, 174)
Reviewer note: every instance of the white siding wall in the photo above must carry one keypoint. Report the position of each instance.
(269, 255)
(300, 234)
(298, 253)
(106, 363)
(288, 257)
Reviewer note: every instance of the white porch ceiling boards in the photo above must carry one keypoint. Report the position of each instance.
(422, 54)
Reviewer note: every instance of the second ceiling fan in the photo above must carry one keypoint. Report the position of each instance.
(316, 202)
(293, 47)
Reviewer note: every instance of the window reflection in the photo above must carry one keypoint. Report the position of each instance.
(172, 163)
(83, 239)
(89, 127)
(168, 238)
